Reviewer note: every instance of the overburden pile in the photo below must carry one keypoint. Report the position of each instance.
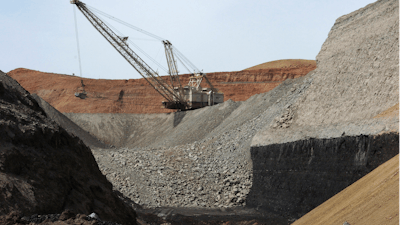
(45, 170)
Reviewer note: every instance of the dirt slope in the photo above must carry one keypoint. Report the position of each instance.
(45, 170)
(286, 63)
(136, 96)
(351, 73)
(67, 124)
(390, 112)
(374, 199)
(357, 78)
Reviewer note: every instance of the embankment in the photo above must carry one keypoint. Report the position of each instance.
(68, 125)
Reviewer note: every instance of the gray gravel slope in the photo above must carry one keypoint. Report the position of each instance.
(357, 77)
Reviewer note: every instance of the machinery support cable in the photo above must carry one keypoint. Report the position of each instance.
(125, 23)
(148, 56)
(184, 65)
(190, 64)
(118, 43)
(77, 43)
(119, 33)
(184, 61)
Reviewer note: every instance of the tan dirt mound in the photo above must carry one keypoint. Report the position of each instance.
(285, 63)
(390, 112)
(136, 95)
(374, 199)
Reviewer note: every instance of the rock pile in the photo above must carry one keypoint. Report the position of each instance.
(215, 172)
(183, 176)
(357, 78)
(45, 170)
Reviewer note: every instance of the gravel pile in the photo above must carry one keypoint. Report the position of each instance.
(215, 172)
(357, 77)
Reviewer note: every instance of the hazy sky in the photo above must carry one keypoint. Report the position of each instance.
(215, 35)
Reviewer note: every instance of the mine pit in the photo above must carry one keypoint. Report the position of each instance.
(293, 141)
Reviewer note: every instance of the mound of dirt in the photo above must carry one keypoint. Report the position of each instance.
(68, 125)
(136, 95)
(390, 112)
(45, 170)
(374, 199)
(357, 78)
(285, 63)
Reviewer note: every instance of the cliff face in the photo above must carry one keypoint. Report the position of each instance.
(374, 199)
(137, 96)
(293, 178)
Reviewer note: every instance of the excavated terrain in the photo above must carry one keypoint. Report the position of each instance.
(137, 96)
(272, 158)
(282, 152)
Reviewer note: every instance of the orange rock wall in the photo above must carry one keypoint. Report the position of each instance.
(105, 96)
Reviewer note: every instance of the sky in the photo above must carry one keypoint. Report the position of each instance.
(215, 35)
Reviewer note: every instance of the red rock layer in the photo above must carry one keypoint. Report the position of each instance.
(136, 95)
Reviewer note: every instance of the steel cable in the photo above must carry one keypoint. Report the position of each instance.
(182, 59)
(77, 43)
(126, 24)
(134, 45)
(177, 52)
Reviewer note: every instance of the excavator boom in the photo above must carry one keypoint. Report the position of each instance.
(192, 96)
(120, 45)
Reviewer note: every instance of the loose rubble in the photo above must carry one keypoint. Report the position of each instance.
(212, 173)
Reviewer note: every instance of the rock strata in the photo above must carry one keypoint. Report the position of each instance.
(137, 96)
(295, 177)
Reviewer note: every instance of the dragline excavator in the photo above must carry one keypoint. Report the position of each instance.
(177, 96)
